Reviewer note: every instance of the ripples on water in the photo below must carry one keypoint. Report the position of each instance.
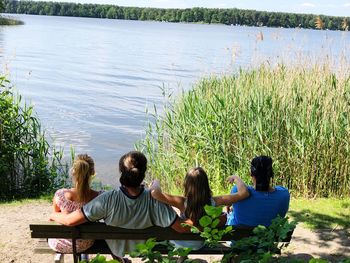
(92, 79)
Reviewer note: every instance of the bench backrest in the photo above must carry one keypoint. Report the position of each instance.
(102, 231)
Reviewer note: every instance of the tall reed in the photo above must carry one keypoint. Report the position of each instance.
(29, 167)
(298, 115)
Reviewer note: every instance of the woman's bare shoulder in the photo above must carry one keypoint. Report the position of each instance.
(70, 194)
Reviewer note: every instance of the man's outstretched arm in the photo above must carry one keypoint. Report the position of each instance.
(73, 219)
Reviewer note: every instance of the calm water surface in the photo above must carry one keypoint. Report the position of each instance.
(91, 80)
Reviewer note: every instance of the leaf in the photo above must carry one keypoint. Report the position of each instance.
(259, 229)
(214, 231)
(141, 246)
(265, 258)
(228, 229)
(213, 211)
(151, 243)
(183, 252)
(215, 223)
(195, 230)
(205, 221)
(134, 254)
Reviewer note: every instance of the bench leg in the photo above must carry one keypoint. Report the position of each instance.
(59, 258)
(76, 256)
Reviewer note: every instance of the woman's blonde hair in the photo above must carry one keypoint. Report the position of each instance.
(197, 193)
(83, 170)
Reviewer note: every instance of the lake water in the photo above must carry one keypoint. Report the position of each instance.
(91, 80)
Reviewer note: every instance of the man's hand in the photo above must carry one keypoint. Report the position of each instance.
(156, 190)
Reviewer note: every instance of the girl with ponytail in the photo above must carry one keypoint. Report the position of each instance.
(69, 200)
(197, 194)
(265, 202)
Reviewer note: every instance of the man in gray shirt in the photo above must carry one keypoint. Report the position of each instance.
(131, 206)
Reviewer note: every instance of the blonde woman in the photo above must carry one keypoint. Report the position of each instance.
(69, 200)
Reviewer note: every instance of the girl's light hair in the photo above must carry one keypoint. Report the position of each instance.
(197, 193)
(83, 170)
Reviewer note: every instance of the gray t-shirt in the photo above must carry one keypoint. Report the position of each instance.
(118, 209)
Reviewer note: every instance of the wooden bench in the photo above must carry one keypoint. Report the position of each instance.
(100, 231)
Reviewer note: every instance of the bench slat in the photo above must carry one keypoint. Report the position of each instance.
(102, 231)
(101, 247)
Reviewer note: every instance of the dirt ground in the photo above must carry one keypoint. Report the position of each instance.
(17, 246)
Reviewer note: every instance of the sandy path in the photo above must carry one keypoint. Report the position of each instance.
(17, 246)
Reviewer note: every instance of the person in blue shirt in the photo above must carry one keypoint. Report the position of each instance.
(265, 202)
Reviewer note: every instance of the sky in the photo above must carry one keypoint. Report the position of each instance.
(326, 7)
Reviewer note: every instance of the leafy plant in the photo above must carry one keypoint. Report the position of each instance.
(100, 259)
(263, 244)
(148, 254)
(209, 223)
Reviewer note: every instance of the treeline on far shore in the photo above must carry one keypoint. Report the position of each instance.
(232, 16)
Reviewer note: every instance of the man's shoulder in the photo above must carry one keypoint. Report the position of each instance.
(107, 195)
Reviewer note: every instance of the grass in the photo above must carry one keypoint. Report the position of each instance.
(298, 115)
(17, 202)
(321, 213)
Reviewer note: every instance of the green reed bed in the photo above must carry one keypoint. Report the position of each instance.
(29, 166)
(297, 115)
(4, 21)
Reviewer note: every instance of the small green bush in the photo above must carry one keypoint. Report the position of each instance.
(29, 167)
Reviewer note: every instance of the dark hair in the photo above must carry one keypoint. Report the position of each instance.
(132, 167)
(197, 193)
(261, 169)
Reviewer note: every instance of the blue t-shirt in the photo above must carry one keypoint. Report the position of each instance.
(260, 208)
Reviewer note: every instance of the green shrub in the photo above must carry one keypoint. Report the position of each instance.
(264, 243)
(299, 116)
(29, 167)
(209, 225)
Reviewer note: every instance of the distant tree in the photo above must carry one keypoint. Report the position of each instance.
(214, 19)
(2, 6)
(111, 13)
(197, 14)
(187, 16)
